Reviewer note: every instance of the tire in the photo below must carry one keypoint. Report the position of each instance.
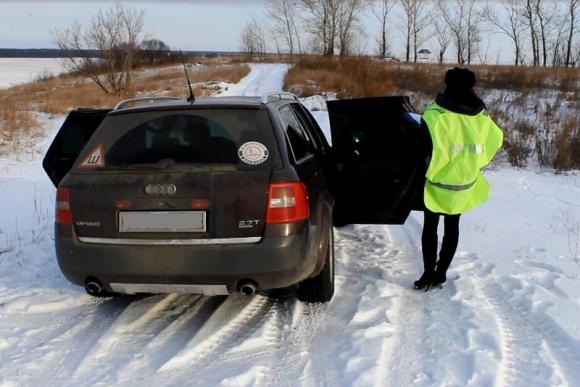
(321, 287)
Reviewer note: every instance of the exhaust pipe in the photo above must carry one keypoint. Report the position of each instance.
(93, 287)
(248, 288)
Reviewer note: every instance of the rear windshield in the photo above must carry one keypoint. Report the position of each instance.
(240, 137)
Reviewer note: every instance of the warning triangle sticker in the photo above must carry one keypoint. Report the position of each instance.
(95, 159)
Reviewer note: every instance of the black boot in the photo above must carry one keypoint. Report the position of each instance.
(439, 276)
(424, 282)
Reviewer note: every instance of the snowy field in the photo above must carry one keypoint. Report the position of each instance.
(14, 71)
(509, 315)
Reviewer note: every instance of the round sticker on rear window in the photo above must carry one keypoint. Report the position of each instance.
(253, 153)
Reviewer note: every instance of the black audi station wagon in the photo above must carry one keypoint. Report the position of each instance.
(224, 194)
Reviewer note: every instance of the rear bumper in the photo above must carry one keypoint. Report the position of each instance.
(274, 262)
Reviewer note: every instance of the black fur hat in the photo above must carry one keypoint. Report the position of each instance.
(460, 79)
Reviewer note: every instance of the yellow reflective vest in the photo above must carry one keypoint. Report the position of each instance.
(462, 146)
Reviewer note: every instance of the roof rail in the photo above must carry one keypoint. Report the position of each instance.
(277, 95)
(142, 100)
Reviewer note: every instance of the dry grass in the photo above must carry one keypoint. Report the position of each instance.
(357, 77)
(58, 95)
(566, 145)
(16, 124)
(532, 105)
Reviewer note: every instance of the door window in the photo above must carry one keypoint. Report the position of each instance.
(306, 124)
(300, 143)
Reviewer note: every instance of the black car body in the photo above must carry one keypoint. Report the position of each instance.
(222, 194)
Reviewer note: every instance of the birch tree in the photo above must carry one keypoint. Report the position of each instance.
(464, 21)
(443, 38)
(572, 7)
(253, 38)
(509, 24)
(417, 19)
(349, 23)
(382, 12)
(321, 21)
(283, 16)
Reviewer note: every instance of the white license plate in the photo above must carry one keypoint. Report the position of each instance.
(162, 221)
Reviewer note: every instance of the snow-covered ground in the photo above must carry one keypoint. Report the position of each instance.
(14, 71)
(509, 316)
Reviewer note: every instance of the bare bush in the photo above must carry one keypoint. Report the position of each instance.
(567, 146)
(558, 142)
(17, 126)
(566, 223)
(518, 142)
(115, 33)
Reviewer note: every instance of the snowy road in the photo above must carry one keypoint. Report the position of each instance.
(508, 317)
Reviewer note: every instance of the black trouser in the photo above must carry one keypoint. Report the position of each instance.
(429, 242)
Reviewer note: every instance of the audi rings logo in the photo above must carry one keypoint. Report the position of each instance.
(161, 189)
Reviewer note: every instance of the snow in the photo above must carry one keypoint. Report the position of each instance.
(262, 79)
(509, 314)
(14, 71)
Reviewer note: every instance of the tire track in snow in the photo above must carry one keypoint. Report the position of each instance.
(171, 340)
(41, 337)
(298, 342)
(222, 336)
(86, 335)
(248, 353)
(403, 363)
(523, 341)
(139, 323)
(379, 264)
(286, 348)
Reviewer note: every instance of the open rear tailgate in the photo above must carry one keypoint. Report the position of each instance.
(70, 140)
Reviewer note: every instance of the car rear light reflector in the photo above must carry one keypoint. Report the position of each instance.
(199, 204)
(123, 204)
(287, 202)
(63, 214)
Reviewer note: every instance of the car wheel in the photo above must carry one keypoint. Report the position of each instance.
(321, 287)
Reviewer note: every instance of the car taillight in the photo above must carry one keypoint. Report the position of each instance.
(287, 202)
(63, 214)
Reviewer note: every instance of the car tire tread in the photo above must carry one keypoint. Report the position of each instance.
(320, 289)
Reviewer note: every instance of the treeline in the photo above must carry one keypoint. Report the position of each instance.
(542, 32)
(147, 55)
(43, 53)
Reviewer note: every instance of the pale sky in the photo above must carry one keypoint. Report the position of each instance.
(203, 25)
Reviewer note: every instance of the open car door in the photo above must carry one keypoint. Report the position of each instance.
(374, 148)
(70, 140)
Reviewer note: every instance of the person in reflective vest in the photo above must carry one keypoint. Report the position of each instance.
(460, 139)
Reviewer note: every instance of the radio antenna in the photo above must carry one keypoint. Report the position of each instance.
(191, 97)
